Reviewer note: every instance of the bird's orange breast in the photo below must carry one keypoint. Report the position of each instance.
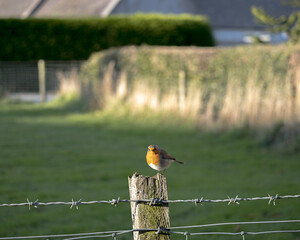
(153, 157)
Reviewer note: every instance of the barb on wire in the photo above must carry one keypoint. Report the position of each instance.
(156, 201)
(233, 200)
(153, 201)
(273, 199)
(34, 204)
(197, 200)
(75, 203)
(114, 202)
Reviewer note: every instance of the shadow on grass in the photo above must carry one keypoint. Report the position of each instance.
(59, 107)
(280, 137)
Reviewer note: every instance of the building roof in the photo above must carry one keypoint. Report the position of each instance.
(74, 8)
(15, 8)
(56, 8)
(221, 13)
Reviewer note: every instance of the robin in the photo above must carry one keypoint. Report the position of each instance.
(159, 159)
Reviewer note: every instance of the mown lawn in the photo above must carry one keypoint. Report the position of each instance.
(54, 154)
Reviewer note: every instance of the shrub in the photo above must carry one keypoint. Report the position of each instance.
(58, 39)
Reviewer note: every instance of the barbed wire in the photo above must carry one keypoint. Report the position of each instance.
(114, 234)
(153, 201)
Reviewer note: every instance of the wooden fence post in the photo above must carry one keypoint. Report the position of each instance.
(294, 67)
(42, 80)
(145, 215)
(182, 90)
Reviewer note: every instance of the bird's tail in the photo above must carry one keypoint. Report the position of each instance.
(178, 161)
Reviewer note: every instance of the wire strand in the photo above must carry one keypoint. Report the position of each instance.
(236, 223)
(153, 201)
(66, 235)
(76, 236)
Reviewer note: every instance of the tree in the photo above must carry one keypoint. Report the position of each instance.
(289, 24)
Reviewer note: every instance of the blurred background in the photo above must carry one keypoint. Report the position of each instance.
(87, 85)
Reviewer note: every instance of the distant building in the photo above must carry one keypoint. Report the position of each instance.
(56, 8)
(232, 21)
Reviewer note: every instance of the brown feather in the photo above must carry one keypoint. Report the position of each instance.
(178, 161)
(166, 155)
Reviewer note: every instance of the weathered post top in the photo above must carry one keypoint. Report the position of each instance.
(145, 215)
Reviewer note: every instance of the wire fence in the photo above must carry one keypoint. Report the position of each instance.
(153, 201)
(171, 230)
(16, 77)
(188, 230)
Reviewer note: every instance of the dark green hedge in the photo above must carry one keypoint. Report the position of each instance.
(57, 39)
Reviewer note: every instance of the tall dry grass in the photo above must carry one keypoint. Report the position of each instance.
(263, 96)
(69, 84)
(256, 87)
(249, 104)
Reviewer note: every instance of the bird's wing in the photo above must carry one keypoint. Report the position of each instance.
(166, 155)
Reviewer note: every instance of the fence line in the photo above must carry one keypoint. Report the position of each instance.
(16, 76)
(154, 201)
(114, 234)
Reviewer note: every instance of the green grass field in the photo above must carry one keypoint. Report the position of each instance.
(51, 153)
